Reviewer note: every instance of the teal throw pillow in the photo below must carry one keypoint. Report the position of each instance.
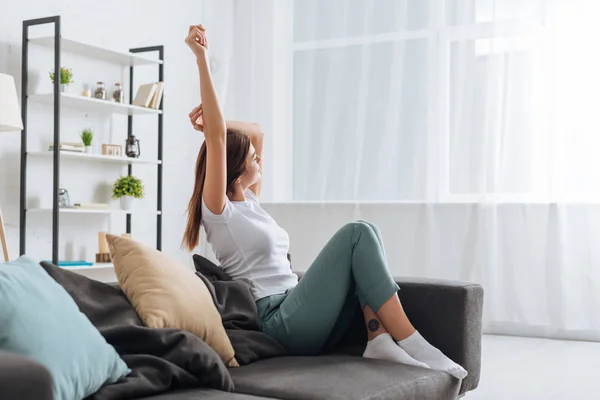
(40, 320)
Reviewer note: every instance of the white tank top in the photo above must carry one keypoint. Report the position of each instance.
(249, 244)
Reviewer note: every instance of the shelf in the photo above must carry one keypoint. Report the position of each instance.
(93, 157)
(99, 53)
(72, 104)
(95, 267)
(93, 211)
(90, 103)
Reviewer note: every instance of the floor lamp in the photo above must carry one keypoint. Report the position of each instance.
(10, 121)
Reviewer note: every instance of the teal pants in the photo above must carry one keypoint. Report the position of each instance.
(350, 270)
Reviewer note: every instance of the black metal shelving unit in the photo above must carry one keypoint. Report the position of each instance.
(56, 20)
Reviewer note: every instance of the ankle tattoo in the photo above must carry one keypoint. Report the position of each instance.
(373, 325)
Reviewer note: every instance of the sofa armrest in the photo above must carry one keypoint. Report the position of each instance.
(449, 315)
(23, 378)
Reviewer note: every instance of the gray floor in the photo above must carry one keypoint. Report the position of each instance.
(538, 369)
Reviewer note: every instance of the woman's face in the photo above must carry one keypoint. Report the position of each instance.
(253, 172)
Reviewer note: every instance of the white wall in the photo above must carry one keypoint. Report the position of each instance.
(110, 24)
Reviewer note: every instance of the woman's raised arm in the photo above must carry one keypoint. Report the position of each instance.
(214, 192)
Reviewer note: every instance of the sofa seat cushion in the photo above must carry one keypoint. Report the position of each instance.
(204, 394)
(334, 377)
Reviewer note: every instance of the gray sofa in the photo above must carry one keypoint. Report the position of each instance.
(448, 314)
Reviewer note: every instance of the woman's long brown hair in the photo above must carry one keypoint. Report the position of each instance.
(238, 146)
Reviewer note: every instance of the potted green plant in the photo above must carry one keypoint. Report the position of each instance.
(66, 78)
(127, 189)
(87, 135)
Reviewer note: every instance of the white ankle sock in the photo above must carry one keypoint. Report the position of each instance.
(383, 347)
(419, 348)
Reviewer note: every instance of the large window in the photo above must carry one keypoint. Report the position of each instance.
(417, 100)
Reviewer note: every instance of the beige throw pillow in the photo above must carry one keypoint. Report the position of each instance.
(166, 294)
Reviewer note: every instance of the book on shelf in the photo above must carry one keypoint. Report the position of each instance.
(149, 95)
(155, 102)
(68, 146)
(91, 206)
(78, 263)
(144, 94)
(68, 150)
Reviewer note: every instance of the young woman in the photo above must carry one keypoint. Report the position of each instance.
(309, 316)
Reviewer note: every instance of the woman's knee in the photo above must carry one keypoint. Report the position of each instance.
(370, 224)
(363, 228)
(362, 224)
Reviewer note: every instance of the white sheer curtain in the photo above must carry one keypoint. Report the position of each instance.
(466, 129)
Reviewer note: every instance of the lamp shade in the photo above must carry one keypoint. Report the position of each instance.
(10, 116)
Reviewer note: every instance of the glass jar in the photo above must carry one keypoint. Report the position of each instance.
(117, 94)
(100, 92)
(87, 92)
(63, 198)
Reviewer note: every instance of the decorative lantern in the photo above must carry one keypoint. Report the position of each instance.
(132, 147)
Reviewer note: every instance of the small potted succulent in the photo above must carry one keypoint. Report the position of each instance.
(66, 78)
(127, 189)
(87, 135)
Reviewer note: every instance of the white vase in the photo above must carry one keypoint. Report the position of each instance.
(88, 149)
(127, 203)
(64, 88)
